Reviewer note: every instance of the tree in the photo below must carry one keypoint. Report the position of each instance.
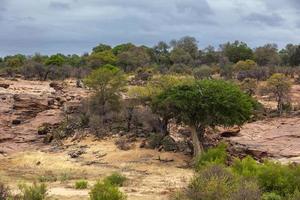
(101, 48)
(51, 63)
(154, 87)
(205, 103)
(245, 65)
(203, 72)
(279, 86)
(237, 51)
(99, 59)
(107, 83)
(267, 55)
(133, 58)
(188, 44)
(249, 86)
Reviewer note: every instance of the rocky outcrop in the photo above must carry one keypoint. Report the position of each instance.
(278, 138)
(27, 107)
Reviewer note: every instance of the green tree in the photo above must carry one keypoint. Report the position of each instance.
(205, 103)
(279, 86)
(267, 55)
(245, 65)
(55, 60)
(107, 82)
(101, 48)
(134, 58)
(237, 51)
(122, 48)
(154, 87)
(203, 72)
(99, 59)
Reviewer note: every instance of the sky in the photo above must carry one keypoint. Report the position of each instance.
(76, 26)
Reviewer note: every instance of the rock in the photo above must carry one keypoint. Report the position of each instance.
(76, 153)
(4, 85)
(16, 122)
(56, 86)
(44, 129)
(233, 132)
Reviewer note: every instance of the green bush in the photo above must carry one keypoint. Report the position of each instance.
(106, 191)
(271, 196)
(246, 167)
(115, 179)
(245, 179)
(81, 184)
(278, 178)
(212, 183)
(295, 195)
(155, 140)
(216, 155)
(33, 192)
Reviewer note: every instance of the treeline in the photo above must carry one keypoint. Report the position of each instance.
(177, 56)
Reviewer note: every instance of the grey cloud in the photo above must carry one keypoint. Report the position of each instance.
(78, 25)
(265, 19)
(59, 5)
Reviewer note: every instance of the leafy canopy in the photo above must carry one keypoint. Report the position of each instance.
(206, 103)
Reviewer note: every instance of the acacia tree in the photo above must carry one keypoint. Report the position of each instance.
(107, 82)
(205, 103)
(279, 86)
(146, 94)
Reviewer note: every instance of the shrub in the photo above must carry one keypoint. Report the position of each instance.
(216, 155)
(115, 179)
(155, 140)
(295, 195)
(246, 167)
(81, 184)
(278, 178)
(33, 192)
(246, 190)
(4, 192)
(106, 191)
(213, 183)
(271, 196)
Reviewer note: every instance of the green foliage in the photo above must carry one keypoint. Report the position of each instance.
(101, 58)
(122, 48)
(56, 60)
(203, 72)
(115, 179)
(245, 65)
(246, 167)
(101, 48)
(217, 155)
(81, 184)
(237, 51)
(33, 192)
(271, 196)
(279, 86)
(155, 140)
(219, 102)
(107, 82)
(295, 195)
(133, 58)
(106, 191)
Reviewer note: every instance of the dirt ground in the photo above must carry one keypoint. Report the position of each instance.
(148, 178)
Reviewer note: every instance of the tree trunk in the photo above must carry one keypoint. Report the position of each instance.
(198, 147)
(164, 126)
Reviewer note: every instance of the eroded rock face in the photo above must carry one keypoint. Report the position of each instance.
(26, 106)
(277, 137)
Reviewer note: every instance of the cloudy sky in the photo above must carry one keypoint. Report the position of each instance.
(75, 26)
